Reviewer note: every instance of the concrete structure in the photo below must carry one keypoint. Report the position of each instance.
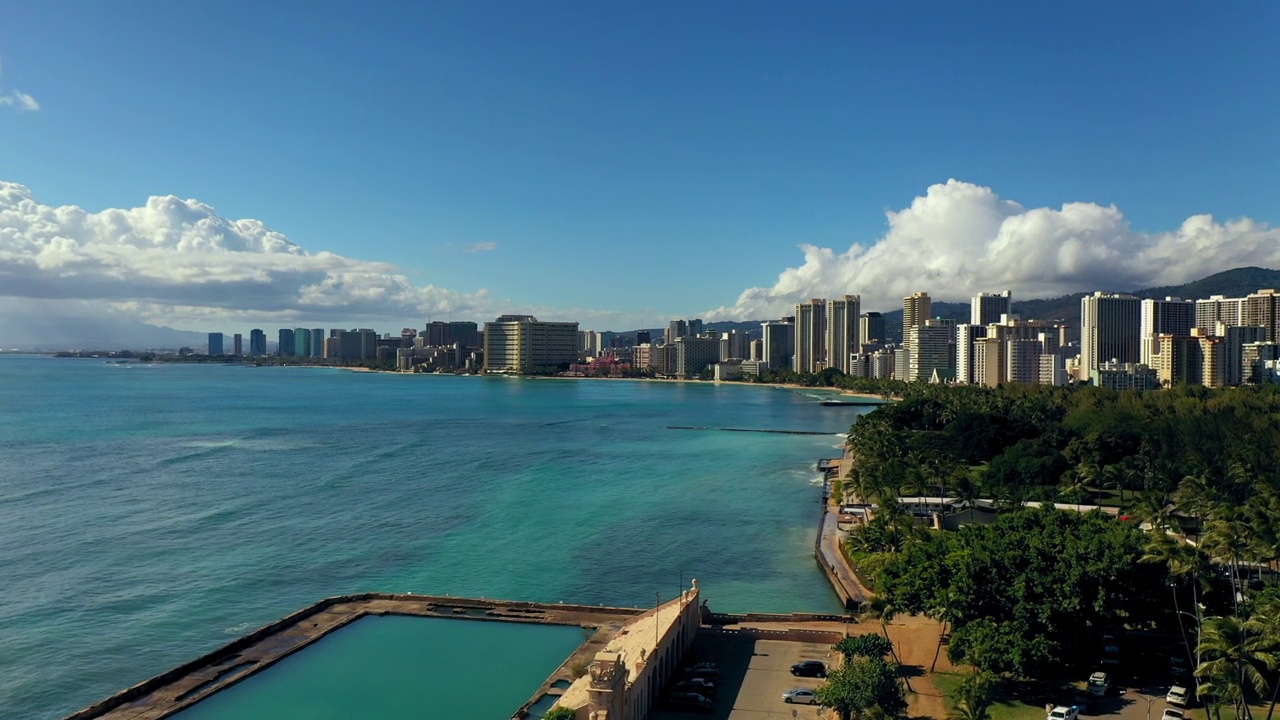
(871, 329)
(753, 368)
(1217, 309)
(1110, 326)
(810, 353)
(916, 308)
(1124, 376)
(317, 342)
(988, 308)
(284, 346)
(257, 342)
(1254, 359)
(1212, 361)
(1262, 309)
(1177, 360)
(734, 345)
(844, 331)
(524, 344)
(215, 344)
(237, 346)
(966, 335)
(628, 676)
(301, 342)
(695, 354)
(675, 329)
(1235, 371)
(778, 343)
(728, 370)
(930, 347)
(1170, 316)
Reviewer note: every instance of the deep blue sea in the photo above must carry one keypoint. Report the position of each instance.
(149, 514)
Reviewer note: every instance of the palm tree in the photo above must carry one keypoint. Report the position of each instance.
(1234, 655)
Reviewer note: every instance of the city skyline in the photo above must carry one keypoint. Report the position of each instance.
(502, 166)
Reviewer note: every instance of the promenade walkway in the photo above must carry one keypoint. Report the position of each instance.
(836, 566)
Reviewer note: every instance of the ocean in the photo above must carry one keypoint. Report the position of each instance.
(150, 513)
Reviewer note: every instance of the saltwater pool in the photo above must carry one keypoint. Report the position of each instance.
(401, 667)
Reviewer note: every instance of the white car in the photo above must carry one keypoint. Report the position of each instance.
(1177, 696)
(800, 696)
(1172, 714)
(1062, 712)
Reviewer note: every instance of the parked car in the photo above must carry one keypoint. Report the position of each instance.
(691, 701)
(809, 668)
(1171, 714)
(697, 685)
(1178, 695)
(1110, 650)
(800, 696)
(1064, 712)
(701, 674)
(705, 666)
(1099, 684)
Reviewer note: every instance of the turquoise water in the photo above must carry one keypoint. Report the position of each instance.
(401, 667)
(151, 514)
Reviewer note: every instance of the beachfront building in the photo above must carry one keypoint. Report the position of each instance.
(257, 342)
(215, 343)
(284, 346)
(843, 331)
(930, 350)
(916, 309)
(695, 354)
(871, 329)
(237, 347)
(1110, 328)
(778, 342)
(524, 344)
(810, 336)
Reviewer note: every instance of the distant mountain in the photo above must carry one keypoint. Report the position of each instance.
(55, 325)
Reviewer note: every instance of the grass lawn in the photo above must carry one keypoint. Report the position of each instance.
(1002, 708)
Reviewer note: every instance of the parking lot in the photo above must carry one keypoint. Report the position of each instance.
(753, 676)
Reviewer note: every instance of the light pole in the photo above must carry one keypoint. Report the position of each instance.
(1149, 701)
(1195, 668)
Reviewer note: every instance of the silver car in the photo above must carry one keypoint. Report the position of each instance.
(800, 696)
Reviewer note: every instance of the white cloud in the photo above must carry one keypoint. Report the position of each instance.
(960, 239)
(177, 262)
(18, 99)
(482, 247)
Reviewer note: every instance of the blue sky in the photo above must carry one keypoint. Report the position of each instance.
(646, 159)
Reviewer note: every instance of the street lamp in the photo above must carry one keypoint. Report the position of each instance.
(1149, 701)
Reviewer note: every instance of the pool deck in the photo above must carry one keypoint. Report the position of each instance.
(173, 691)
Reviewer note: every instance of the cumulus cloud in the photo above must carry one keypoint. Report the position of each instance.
(482, 247)
(18, 99)
(960, 239)
(177, 261)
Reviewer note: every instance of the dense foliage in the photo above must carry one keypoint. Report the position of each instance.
(861, 685)
(1035, 590)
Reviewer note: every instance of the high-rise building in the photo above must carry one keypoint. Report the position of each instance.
(916, 309)
(966, 336)
(436, 334)
(1170, 316)
(237, 344)
(643, 337)
(1258, 359)
(524, 344)
(284, 347)
(695, 327)
(463, 332)
(1110, 326)
(778, 339)
(1235, 370)
(215, 343)
(734, 345)
(257, 342)
(695, 354)
(871, 329)
(676, 329)
(1262, 309)
(930, 350)
(316, 342)
(843, 332)
(810, 336)
(986, 308)
(1217, 309)
(360, 344)
(301, 342)
(1178, 360)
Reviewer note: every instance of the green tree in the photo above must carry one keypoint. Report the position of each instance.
(559, 713)
(972, 697)
(862, 685)
(868, 645)
(1234, 657)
